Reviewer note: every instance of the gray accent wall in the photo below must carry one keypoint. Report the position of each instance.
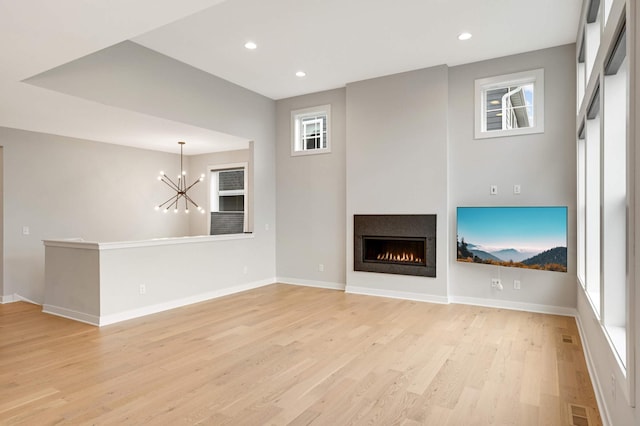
(311, 198)
(542, 164)
(397, 164)
(409, 149)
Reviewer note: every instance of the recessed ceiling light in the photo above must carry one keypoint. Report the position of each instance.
(464, 36)
(250, 45)
(301, 74)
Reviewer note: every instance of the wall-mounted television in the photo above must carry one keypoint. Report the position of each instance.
(521, 237)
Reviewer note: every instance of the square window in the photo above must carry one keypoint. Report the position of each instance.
(310, 130)
(509, 105)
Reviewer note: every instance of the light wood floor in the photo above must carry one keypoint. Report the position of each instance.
(294, 355)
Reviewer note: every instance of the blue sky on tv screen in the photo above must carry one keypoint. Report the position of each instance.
(521, 228)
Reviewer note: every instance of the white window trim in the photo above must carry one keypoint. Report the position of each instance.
(482, 85)
(295, 134)
(223, 167)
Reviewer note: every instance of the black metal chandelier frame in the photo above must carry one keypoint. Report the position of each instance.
(181, 189)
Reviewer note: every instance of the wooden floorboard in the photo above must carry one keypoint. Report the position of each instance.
(283, 354)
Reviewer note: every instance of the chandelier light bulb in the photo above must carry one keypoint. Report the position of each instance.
(175, 210)
(156, 208)
(186, 211)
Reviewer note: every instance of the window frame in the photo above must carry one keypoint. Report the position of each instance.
(297, 146)
(245, 193)
(482, 85)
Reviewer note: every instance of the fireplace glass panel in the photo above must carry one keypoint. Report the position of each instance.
(397, 250)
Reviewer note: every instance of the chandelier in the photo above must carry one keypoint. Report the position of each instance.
(181, 189)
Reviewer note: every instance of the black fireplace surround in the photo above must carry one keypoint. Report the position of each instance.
(395, 244)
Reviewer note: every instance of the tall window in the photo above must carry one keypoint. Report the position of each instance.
(310, 130)
(614, 195)
(603, 196)
(510, 104)
(228, 200)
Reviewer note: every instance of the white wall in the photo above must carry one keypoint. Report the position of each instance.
(543, 164)
(397, 164)
(311, 199)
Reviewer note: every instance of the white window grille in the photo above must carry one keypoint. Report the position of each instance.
(311, 130)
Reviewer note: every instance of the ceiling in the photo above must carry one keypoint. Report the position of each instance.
(334, 41)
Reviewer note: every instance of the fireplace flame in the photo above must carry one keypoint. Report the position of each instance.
(399, 257)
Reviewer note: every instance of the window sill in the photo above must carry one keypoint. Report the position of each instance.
(311, 152)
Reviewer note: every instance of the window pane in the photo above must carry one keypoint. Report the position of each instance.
(514, 103)
(494, 120)
(231, 203)
(230, 180)
(227, 223)
(314, 130)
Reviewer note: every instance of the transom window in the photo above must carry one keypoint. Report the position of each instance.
(510, 104)
(310, 130)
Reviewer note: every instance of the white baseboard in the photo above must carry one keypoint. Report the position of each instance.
(597, 386)
(515, 306)
(160, 307)
(419, 297)
(10, 298)
(16, 298)
(71, 314)
(310, 283)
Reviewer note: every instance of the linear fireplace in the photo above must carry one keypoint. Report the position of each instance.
(395, 244)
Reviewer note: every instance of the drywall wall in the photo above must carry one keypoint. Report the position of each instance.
(132, 77)
(397, 164)
(1, 222)
(61, 187)
(543, 164)
(311, 199)
(198, 164)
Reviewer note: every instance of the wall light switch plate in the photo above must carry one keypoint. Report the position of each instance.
(494, 190)
(516, 284)
(25, 230)
(516, 189)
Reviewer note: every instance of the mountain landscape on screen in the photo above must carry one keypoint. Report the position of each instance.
(522, 237)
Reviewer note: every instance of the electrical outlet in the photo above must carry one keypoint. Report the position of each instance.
(320, 267)
(516, 189)
(516, 284)
(25, 230)
(143, 289)
(494, 190)
(496, 283)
